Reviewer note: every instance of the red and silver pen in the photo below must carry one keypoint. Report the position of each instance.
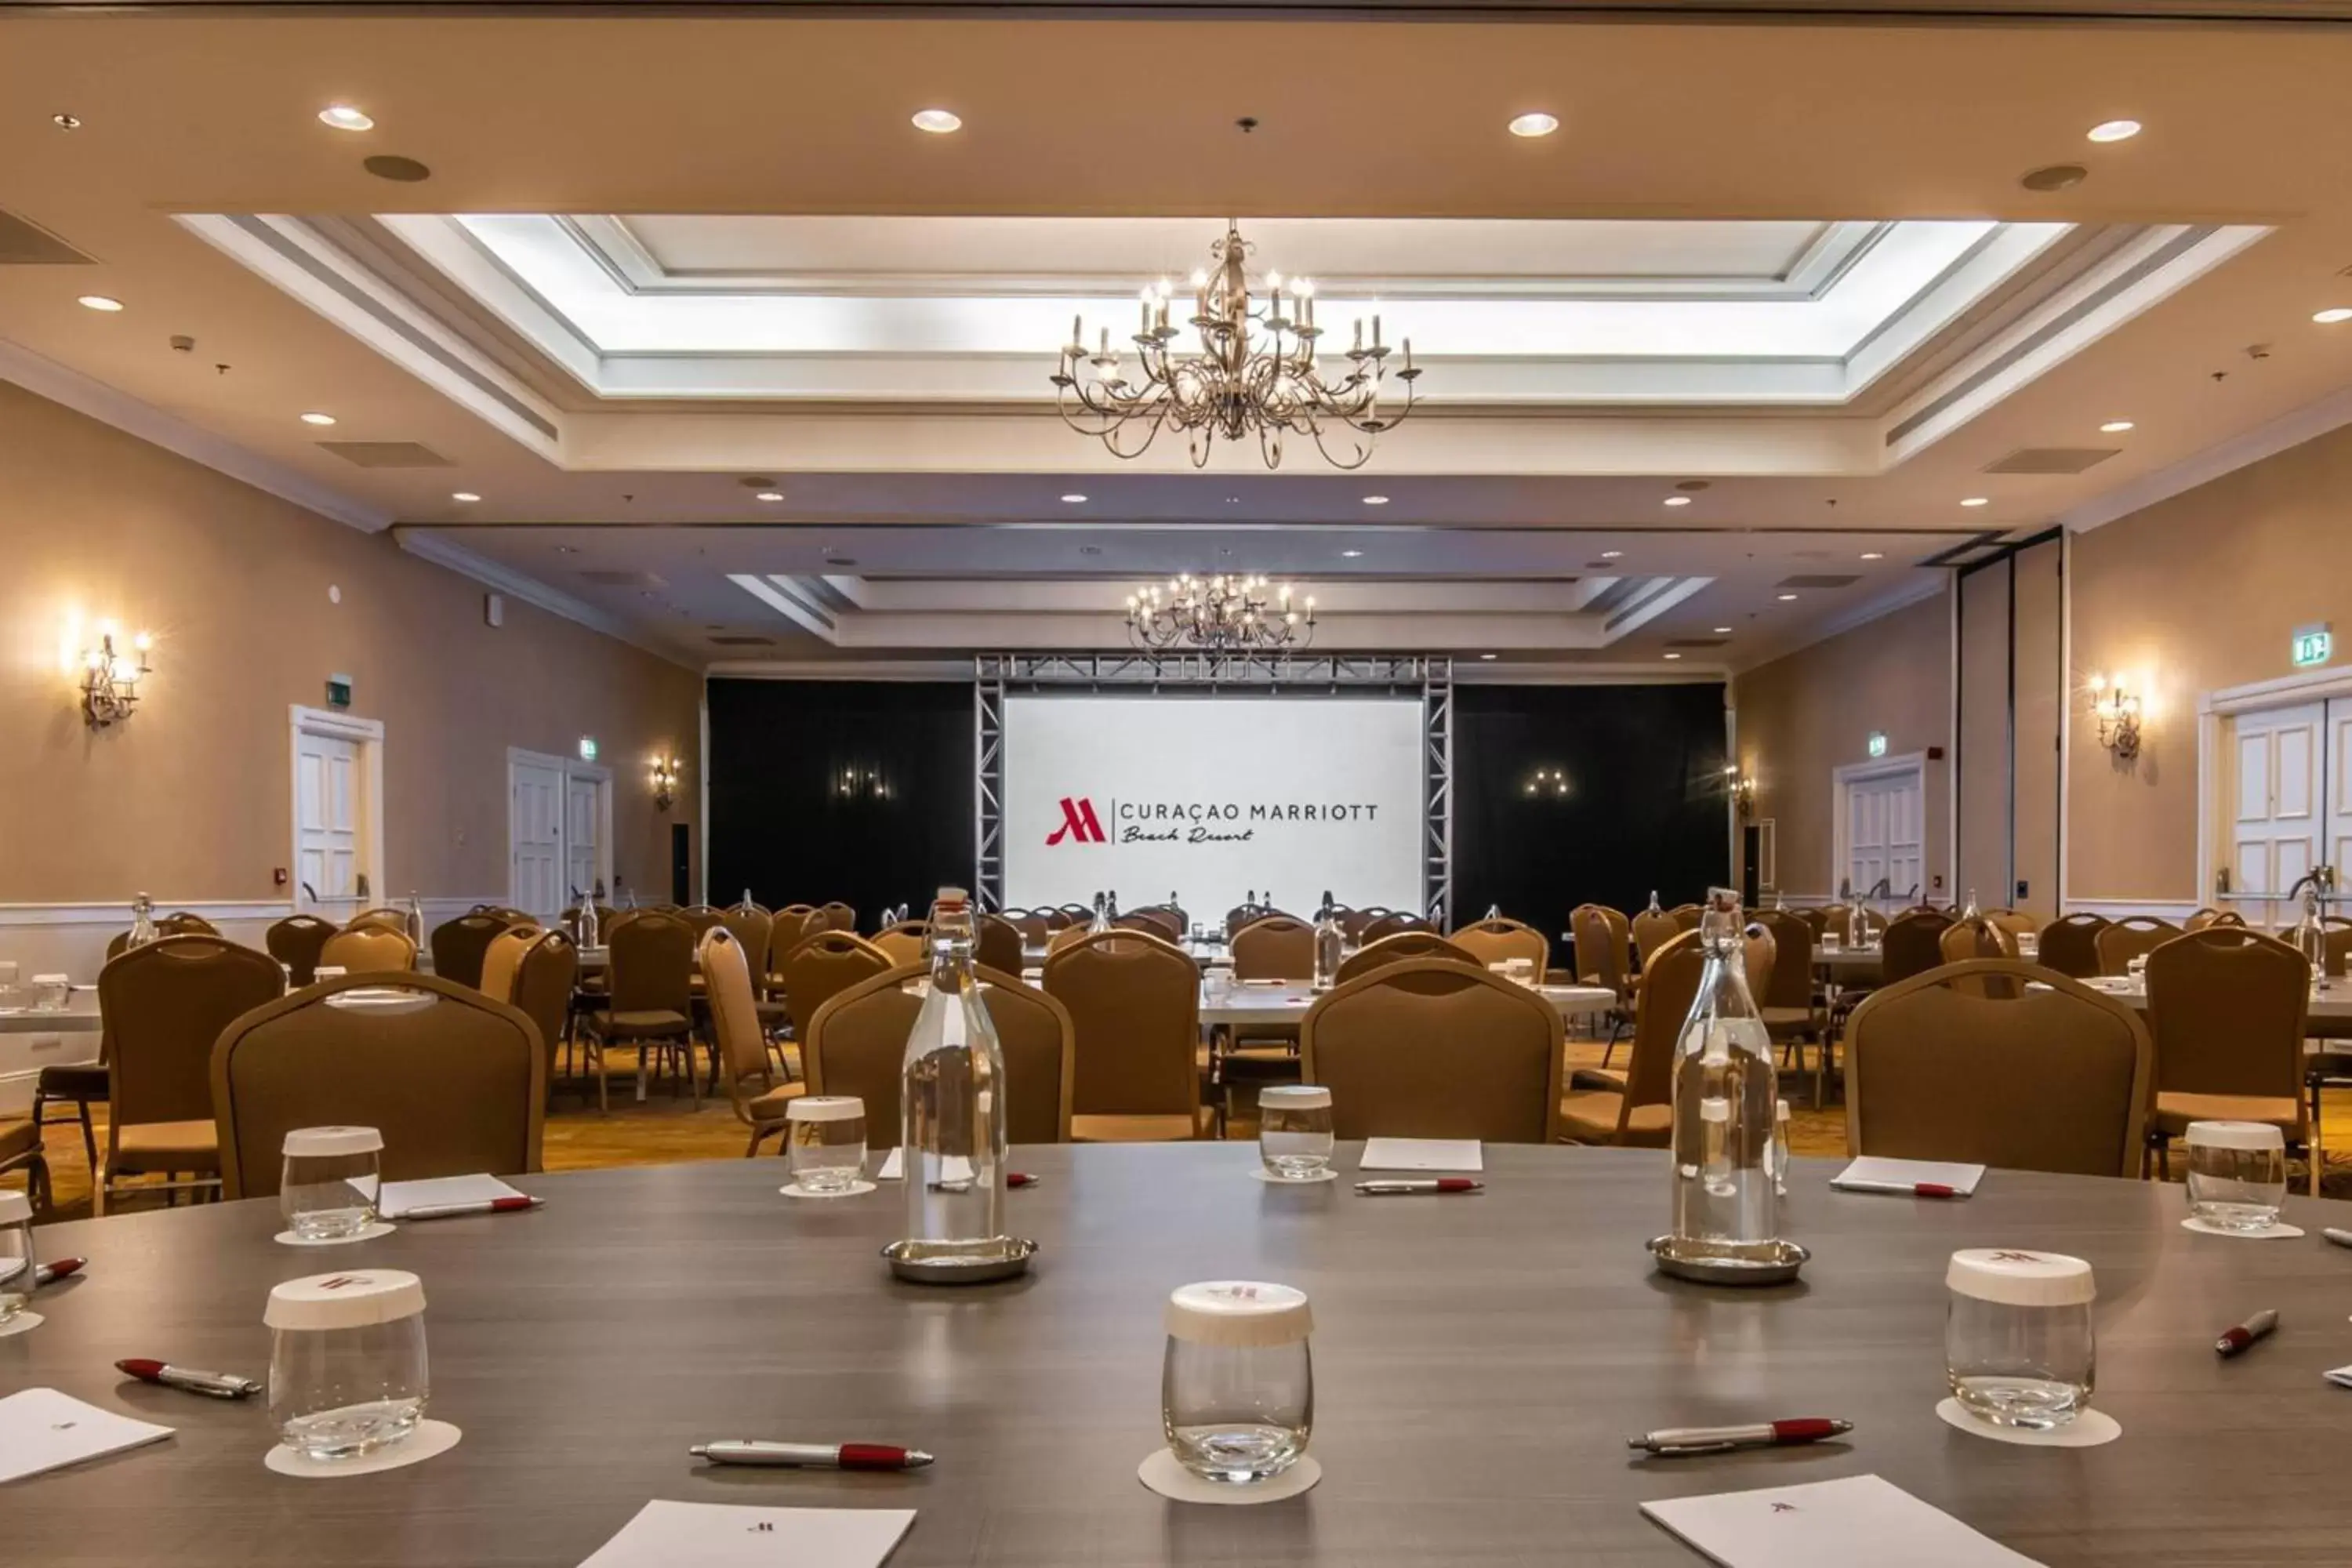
(2237, 1340)
(1019, 1179)
(1902, 1189)
(811, 1455)
(212, 1385)
(1386, 1189)
(63, 1268)
(1677, 1441)
(451, 1211)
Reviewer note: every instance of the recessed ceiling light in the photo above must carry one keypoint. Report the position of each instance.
(1787, 598)
(1674, 655)
(567, 549)
(345, 117)
(1977, 501)
(392, 166)
(1678, 501)
(2114, 131)
(937, 121)
(2057, 177)
(770, 496)
(1874, 556)
(1611, 555)
(2114, 427)
(1723, 631)
(1090, 550)
(2326, 317)
(1485, 656)
(1376, 500)
(100, 302)
(1073, 498)
(317, 419)
(1538, 124)
(65, 121)
(466, 496)
(1233, 500)
(1351, 554)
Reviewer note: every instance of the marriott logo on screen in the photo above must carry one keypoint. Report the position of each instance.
(1197, 822)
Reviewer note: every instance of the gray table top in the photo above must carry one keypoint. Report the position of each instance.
(1479, 1361)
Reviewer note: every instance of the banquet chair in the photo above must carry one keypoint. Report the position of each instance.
(2227, 1007)
(295, 941)
(787, 929)
(1684, 916)
(1275, 947)
(1431, 1049)
(2135, 936)
(1158, 922)
(1979, 938)
(164, 1006)
(180, 924)
(1649, 931)
(2204, 917)
(903, 942)
(535, 970)
(1786, 1000)
(1604, 958)
(839, 916)
(753, 928)
(459, 945)
(380, 918)
(857, 1044)
(1396, 948)
(1034, 925)
(1913, 943)
(1001, 945)
(701, 918)
(1056, 920)
(649, 973)
(827, 962)
(1641, 1114)
(1966, 1063)
(1499, 939)
(457, 1088)
(1075, 931)
(368, 949)
(2070, 945)
(21, 1150)
(1135, 1015)
(1353, 922)
(741, 1039)
(2329, 1069)
(1392, 924)
(1818, 919)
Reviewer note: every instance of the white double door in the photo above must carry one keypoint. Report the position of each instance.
(329, 815)
(1886, 832)
(2289, 794)
(556, 820)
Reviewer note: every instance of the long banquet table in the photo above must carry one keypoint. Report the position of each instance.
(1479, 1361)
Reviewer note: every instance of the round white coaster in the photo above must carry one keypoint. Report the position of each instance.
(2277, 1230)
(2088, 1430)
(1325, 1174)
(431, 1437)
(1163, 1474)
(790, 1189)
(365, 1233)
(22, 1323)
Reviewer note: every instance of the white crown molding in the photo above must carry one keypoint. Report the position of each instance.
(113, 915)
(46, 378)
(442, 551)
(1861, 614)
(2292, 429)
(1471, 672)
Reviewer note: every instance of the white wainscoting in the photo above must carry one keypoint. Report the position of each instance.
(2176, 910)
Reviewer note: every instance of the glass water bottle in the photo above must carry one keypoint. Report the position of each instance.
(143, 922)
(1726, 1207)
(1330, 941)
(2310, 938)
(413, 921)
(952, 1109)
(1102, 913)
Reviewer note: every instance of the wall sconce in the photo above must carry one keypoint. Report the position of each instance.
(1548, 780)
(665, 771)
(110, 680)
(868, 781)
(1742, 789)
(2117, 709)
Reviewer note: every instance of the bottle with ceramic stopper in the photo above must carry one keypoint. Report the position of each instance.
(1725, 1203)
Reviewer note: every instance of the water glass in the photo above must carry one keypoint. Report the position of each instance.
(2237, 1174)
(328, 1187)
(347, 1367)
(824, 1140)
(2018, 1346)
(1294, 1130)
(1238, 1387)
(51, 992)
(17, 1261)
(12, 1000)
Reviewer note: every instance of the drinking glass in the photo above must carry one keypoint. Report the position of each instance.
(329, 1185)
(2237, 1174)
(1237, 1385)
(16, 1261)
(348, 1373)
(1294, 1130)
(2018, 1346)
(824, 1140)
(12, 1000)
(51, 992)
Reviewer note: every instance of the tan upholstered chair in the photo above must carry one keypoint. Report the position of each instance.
(649, 969)
(1965, 1063)
(1393, 923)
(164, 1006)
(838, 915)
(1787, 999)
(1353, 922)
(2227, 1007)
(20, 1150)
(503, 960)
(368, 949)
(1642, 1113)
(1274, 947)
(787, 929)
(1075, 932)
(1652, 932)
(903, 942)
(455, 1088)
(1432, 1048)
(827, 962)
(1397, 947)
(1034, 925)
(857, 1044)
(701, 918)
(999, 945)
(2135, 936)
(1979, 938)
(1162, 923)
(1913, 943)
(2201, 919)
(180, 924)
(1135, 1009)
(742, 1039)
(1604, 956)
(459, 945)
(1499, 939)
(2070, 945)
(295, 941)
(753, 928)
(1686, 916)
(537, 972)
(378, 919)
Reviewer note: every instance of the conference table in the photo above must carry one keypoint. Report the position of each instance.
(2333, 1003)
(1479, 1361)
(1273, 1004)
(79, 1015)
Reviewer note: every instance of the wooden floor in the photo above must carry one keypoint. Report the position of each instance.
(666, 1130)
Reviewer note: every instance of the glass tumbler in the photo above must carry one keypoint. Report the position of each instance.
(328, 1187)
(2018, 1346)
(51, 992)
(347, 1368)
(824, 1140)
(16, 1261)
(2237, 1174)
(1237, 1389)
(1294, 1130)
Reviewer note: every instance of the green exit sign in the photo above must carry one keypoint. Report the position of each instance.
(2313, 645)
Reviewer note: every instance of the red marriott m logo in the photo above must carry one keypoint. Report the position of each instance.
(1078, 820)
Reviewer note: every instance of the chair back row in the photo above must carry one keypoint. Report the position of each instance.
(1436, 1047)
(1498, 939)
(857, 1044)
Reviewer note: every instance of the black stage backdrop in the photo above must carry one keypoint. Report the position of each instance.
(1643, 769)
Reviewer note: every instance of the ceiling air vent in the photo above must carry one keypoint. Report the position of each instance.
(24, 243)
(2051, 460)
(1820, 580)
(743, 642)
(623, 579)
(1696, 642)
(386, 454)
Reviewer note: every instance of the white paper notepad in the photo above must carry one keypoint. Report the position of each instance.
(1870, 1172)
(41, 1429)
(1423, 1155)
(720, 1535)
(1863, 1521)
(954, 1168)
(400, 1198)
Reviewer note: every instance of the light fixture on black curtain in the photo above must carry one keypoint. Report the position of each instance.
(1550, 782)
(856, 783)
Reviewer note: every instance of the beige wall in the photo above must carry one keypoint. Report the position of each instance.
(1802, 717)
(1981, 765)
(191, 799)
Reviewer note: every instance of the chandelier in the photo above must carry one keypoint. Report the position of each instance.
(1218, 615)
(1257, 373)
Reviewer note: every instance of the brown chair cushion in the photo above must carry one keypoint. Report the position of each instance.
(74, 1080)
(652, 1023)
(770, 1107)
(167, 1146)
(2174, 1112)
(1134, 1129)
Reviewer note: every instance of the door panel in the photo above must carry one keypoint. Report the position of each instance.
(2277, 783)
(327, 812)
(535, 839)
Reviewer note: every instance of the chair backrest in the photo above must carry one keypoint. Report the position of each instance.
(1034, 925)
(1669, 985)
(165, 1003)
(1158, 922)
(368, 949)
(1913, 943)
(1686, 916)
(503, 963)
(1431, 1049)
(1065, 935)
(2070, 945)
(1653, 931)
(1274, 947)
(857, 1044)
(546, 974)
(1135, 1007)
(788, 927)
(753, 928)
(455, 1088)
(1965, 1063)
(2201, 919)
(1818, 920)
(1001, 945)
(1390, 924)
(458, 946)
(2134, 936)
(1398, 946)
(734, 1014)
(649, 965)
(1979, 938)
(380, 918)
(507, 912)
(839, 916)
(2014, 924)
(295, 941)
(2227, 1007)
(1791, 985)
(1499, 939)
(1353, 922)
(1760, 959)
(701, 918)
(2339, 944)
(825, 963)
(1602, 955)
(903, 942)
(181, 923)
(570, 920)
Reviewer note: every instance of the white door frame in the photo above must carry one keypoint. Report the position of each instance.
(1842, 783)
(367, 735)
(568, 768)
(2212, 708)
